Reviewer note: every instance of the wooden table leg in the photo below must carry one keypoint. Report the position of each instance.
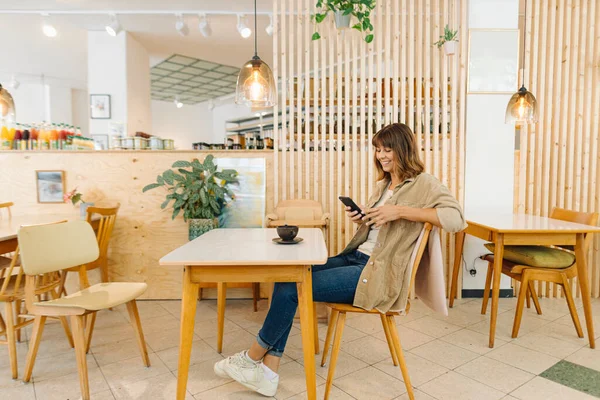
(189, 300)
(585, 288)
(305, 305)
(498, 256)
(221, 296)
(459, 241)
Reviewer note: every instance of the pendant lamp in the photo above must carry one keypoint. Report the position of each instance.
(522, 107)
(255, 83)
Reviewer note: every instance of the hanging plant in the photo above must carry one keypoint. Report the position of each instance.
(343, 10)
(448, 40)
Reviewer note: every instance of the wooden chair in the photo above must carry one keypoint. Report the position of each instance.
(5, 260)
(303, 213)
(48, 249)
(12, 293)
(338, 319)
(527, 274)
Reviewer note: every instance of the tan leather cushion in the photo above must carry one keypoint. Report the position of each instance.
(100, 296)
(536, 256)
(296, 213)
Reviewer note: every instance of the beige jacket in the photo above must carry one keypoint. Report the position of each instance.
(384, 282)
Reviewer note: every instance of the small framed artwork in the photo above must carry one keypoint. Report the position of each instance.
(101, 141)
(100, 106)
(50, 186)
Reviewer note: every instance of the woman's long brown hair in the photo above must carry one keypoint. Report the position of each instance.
(400, 138)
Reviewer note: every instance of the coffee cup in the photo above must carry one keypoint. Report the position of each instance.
(287, 232)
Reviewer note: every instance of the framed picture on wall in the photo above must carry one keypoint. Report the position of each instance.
(50, 186)
(101, 141)
(493, 61)
(100, 106)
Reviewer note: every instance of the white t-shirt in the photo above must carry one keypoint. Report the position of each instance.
(368, 246)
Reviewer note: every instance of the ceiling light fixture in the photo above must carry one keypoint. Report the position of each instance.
(255, 83)
(522, 106)
(203, 26)
(242, 28)
(114, 27)
(48, 29)
(181, 26)
(178, 103)
(269, 29)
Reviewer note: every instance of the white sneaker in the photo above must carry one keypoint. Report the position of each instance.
(248, 373)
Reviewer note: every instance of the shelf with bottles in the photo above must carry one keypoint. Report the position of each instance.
(43, 136)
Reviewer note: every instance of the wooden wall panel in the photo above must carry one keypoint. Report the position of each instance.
(325, 148)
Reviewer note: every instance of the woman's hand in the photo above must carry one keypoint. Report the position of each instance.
(382, 214)
(355, 215)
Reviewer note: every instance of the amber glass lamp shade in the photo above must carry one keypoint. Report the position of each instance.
(256, 85)
(522, 108)
(7, 106)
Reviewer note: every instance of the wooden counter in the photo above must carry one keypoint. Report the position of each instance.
(143, 232)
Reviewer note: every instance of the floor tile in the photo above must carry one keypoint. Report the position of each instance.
(19, 392)
(230, 391)
(432, 327)
(366, 323)
(129, 371)
(371, 383)
(349, 335)
(563, 332)
(495, 374)
(292, 380)
(346, 364)
(334, 394)
(368, 349)
(51, 368)
(472, 341)
(418, 396)
(523, 358)
(543, 389)
(67, 387)
(453, 386)
(202, 377)
(162, 387)
(504, 324)
(586, 357)
(444, 354)
(409, 338)
(117, 351)
(233, 342)
(209, 328)
(420, 370)
(165, 339)
(575, 376)
(462, 318)
(547, 345)
(201, 352)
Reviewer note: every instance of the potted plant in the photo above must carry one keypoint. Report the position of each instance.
(198, 190)
(75, 197)
(343, 10)
(448, 40)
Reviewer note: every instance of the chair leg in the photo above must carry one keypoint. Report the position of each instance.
(330, 328)
(520, 304)
(400, 355)
(63, 321)
(63, 281)
(255, 295)
(388, 338)
(19, 319)
(2, 325)
(78, 322)
(134, 317)
(534, 297)
(527, 296)
(486, 288)
(34, 345)
(316, 328)
(571, 304)
(89, 330)
(337, 341)
(11, 339)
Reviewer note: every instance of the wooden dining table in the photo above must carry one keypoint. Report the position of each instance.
(247, 255)
(525, 230)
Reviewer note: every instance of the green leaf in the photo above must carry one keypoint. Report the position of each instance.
(316, 36)
(175, 212)
(178, 177)
(150, 186)
(181, 164)
(369, 38)
(168, 176)
(320, 17)
(160, 180)
(203, 197)
(357, 27)
(348, 11)
(165, 204)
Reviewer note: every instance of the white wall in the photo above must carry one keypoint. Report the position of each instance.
(185, 125)
(107, 75)
(138, 88)
(81, 109)
(60, 105)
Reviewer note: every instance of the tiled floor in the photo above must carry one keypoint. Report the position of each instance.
(448, 358)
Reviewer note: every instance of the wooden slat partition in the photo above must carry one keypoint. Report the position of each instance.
(558, 157)
(336, 93)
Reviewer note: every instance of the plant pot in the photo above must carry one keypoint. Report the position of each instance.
(450, 47)
(198, 227)
(83, 209)
(342, 21)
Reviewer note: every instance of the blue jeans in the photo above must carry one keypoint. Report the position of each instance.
(335, 282)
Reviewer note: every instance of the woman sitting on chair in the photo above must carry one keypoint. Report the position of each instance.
(372, 271)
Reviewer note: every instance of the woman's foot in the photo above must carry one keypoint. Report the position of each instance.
(248, 372)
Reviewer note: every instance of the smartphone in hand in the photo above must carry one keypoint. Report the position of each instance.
(350, 203)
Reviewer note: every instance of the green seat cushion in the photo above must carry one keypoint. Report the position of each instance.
(536, 256)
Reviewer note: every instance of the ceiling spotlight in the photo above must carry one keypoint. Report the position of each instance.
(114, 27)
(204, 27)
(48, 29)
(242, 27)
(14, 83)
(270, 28)
(178, 103)
(181, 26)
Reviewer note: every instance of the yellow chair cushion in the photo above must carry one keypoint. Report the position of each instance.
(297, 213)
(100, 296)
(536, 256)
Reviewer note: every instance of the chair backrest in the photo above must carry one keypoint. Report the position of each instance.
(579, 217)
(299, 210)
(7, 207)
(427, 227)
(49, 248)
(108, 216)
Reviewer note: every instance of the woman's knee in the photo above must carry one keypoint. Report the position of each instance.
(286, 290)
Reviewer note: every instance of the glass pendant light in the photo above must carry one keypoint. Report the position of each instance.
(255, 84)
(522, 107)
(7, 107)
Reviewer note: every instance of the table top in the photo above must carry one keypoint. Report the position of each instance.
(10, 226)
(524, 223)
(250, 246)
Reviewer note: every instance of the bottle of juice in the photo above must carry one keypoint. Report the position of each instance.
(54, 138)
(6, 142)
(17, 139)
(34, 138)
(62, 139)
(25, 140)
(43, 137)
